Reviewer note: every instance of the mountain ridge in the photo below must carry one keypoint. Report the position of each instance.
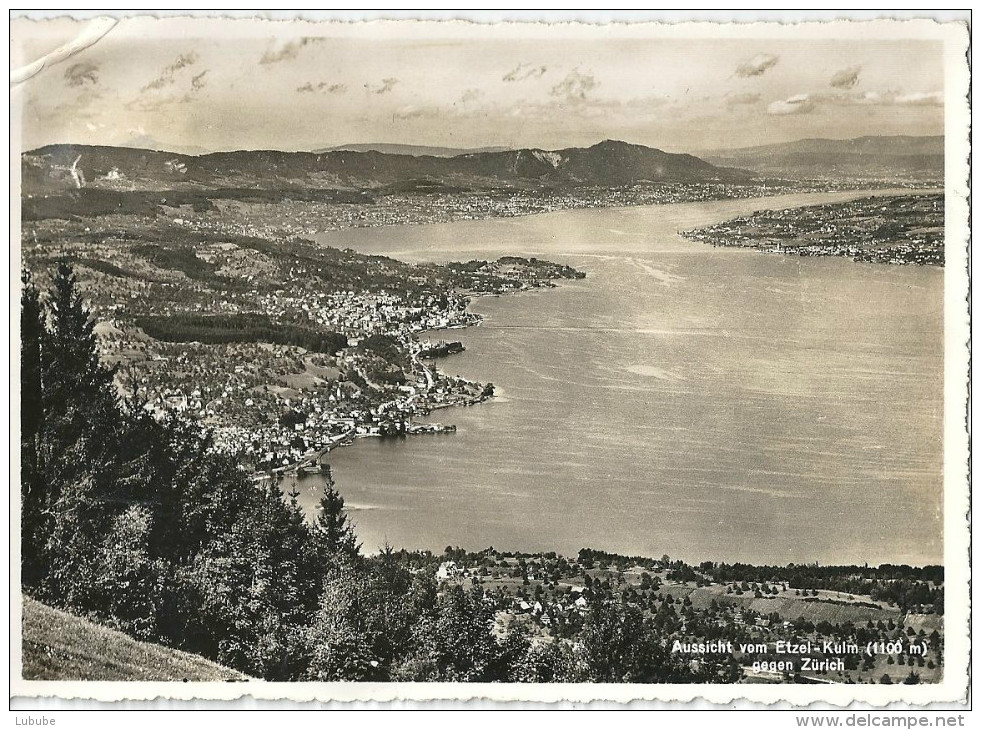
(607, 163)
(868, 156)
(415, 150)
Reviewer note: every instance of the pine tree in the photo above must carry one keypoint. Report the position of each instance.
(78, 444)
(33, 493)
(332, 532)
(72, 344)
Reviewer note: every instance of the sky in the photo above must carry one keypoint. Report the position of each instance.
(186, 88)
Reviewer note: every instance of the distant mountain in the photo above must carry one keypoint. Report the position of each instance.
(410, 149)
(146, 142)
(606, 164)
(865, 157)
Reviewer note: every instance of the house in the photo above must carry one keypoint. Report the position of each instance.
(447, 570)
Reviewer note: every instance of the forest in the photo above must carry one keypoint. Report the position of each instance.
(212, 329)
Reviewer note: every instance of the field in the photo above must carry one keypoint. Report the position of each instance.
(59, 646)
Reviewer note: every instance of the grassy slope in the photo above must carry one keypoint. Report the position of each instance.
(59, 646)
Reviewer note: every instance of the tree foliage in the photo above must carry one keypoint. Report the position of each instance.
(244, 327)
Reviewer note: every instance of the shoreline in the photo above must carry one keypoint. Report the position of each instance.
(859, 192)
(427, 428)
(474, 298)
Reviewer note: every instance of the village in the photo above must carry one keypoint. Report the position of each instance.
(753, 631)
(281, 350)
(277, 406)
(389, 208)
(904, 229)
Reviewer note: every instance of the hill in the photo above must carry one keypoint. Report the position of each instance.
(862, 157)
(409, 149)
(60, 646)
(608, 163)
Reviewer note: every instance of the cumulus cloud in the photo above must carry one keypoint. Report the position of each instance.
(757, 65)
(416, 112)
(384, 87)
(575, 86)
(287, 52)
(742, 99)
(176, 84)
(847, 78)
(80, 74)
(168, 76)
(323, 86)
(799, 104)
(525, 71)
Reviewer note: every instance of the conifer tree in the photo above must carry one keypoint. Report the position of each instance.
(33, 494)
(77, 444)
(332, 532)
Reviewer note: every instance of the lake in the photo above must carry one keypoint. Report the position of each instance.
(706, 403)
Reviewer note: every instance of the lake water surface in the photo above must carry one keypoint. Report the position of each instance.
(707, 403)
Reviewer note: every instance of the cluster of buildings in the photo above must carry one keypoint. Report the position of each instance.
(280, 406)
(307, 218)
(897, 230)
(553, 596)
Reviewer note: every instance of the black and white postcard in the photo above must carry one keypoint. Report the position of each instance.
(415, 359)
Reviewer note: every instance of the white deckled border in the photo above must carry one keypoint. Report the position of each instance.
(957, 538)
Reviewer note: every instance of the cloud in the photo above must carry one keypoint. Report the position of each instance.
(636, 103)
(934, 98)
(384, 87)
(83, 73)
(288, 52)
(86, 105)
(309, 88)
(167, 76)
(878, 98)
(158, 83)
(524, 71)
(633, 110)
(846, 78)
(165, 91)
(416, 112)
(746, 99)
(757, 65)
(471, 95)
(799, 104)
(575, 86)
